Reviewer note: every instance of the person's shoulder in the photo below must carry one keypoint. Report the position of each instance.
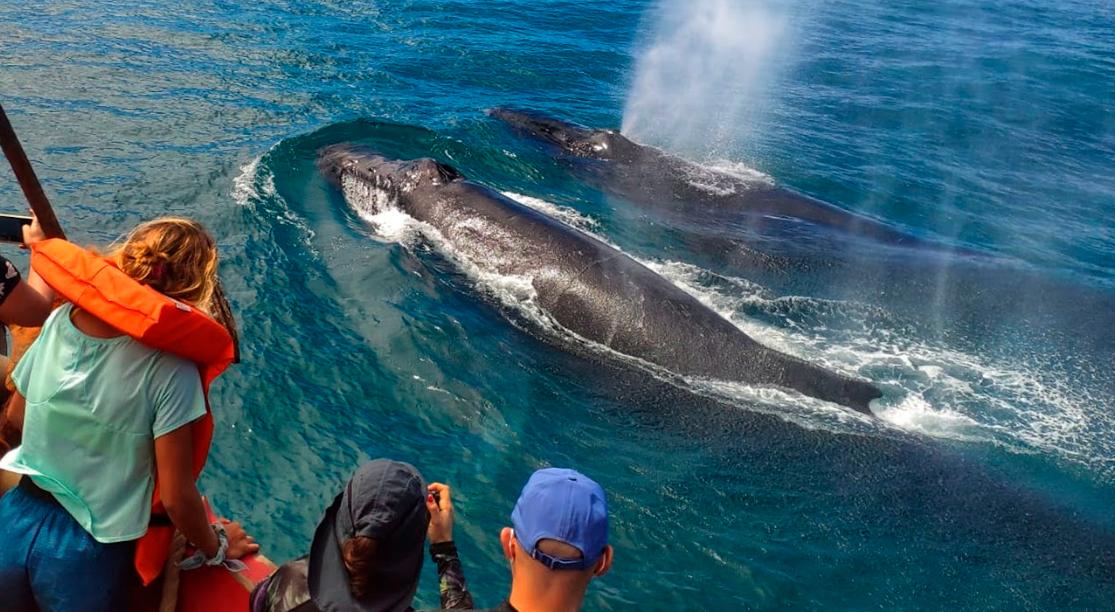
(166, 364)
(159, 371)
(56, 316)
(57, 327)
(295, 570)
(288, 590)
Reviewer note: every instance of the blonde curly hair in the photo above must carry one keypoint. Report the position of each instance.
(173, 255)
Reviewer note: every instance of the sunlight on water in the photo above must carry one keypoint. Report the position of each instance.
(369, 334)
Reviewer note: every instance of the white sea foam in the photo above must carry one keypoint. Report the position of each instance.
(725, 178)
(393, 225)
(251, 184)
(914, 413)
(566, 214)
(244, 185)
(254, 187)
(930, 389)
(740, 171)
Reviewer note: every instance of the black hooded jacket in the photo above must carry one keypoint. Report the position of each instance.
(384, 500)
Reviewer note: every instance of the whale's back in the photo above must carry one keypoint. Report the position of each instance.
(604, 295)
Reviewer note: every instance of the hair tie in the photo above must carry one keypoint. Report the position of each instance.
(157, 271)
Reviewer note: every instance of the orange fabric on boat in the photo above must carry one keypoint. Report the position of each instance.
(98, 287)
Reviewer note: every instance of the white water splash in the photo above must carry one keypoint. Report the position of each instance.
(724, 178)
(930, 389)
(254, 187)
(914, 413)
(702, 82)
(566, 214)
(244, 185)
(251, 184)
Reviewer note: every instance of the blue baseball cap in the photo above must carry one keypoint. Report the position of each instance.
(563, 505)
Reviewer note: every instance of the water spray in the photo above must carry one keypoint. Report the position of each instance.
(703, 80)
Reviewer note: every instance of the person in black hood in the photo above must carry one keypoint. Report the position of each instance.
(366, 554)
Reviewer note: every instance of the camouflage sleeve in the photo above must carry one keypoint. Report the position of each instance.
(9, 278)
(451, 578)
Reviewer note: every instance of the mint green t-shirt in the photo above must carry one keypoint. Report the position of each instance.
(94, 409)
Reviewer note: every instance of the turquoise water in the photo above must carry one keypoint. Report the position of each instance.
(986, 483)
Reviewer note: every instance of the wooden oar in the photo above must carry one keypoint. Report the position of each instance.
(33, 191)
(28, 182)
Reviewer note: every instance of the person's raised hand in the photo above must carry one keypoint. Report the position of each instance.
(240, 544)
(33, 233)
(440, 505)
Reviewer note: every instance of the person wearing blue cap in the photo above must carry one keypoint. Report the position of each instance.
(558, 541)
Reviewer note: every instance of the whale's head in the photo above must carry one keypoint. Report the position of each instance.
(373, 182)
(570, 138)
(345, 162)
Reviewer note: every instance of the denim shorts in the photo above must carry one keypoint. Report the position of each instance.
(49, 562)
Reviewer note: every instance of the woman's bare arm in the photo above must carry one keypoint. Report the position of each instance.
(30, 301)
(36, 282)
(26, 306)
(31, 234)
(16, 407)
(174, 465)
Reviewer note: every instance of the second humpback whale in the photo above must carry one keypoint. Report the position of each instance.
(587, 286)
(653, 178)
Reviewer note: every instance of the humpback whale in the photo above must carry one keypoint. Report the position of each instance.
(587, 286)
(652, 178)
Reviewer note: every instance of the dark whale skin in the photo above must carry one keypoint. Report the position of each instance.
(589, 287)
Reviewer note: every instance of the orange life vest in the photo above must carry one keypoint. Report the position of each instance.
(98, 287)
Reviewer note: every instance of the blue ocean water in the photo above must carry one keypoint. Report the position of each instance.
(987, 481)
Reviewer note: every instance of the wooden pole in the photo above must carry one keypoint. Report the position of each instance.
(33, 191)
(28, 182)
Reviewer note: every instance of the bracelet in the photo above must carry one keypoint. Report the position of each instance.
(222, 545)
(198, 559)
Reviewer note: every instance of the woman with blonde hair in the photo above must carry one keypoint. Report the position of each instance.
(101, 416)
